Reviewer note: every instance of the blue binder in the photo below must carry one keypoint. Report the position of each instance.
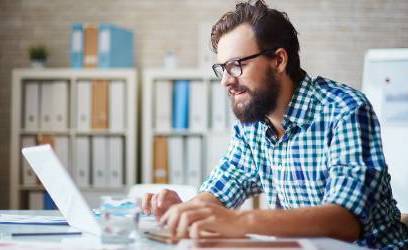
(181, 92)
(77, 45)
(115, 47)
(48, 202)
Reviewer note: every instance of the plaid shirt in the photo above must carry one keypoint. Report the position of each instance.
(330, 153)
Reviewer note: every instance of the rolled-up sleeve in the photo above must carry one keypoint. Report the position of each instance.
(236, 177)
(357, 167)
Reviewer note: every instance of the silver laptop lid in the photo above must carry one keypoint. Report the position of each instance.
(62, 189)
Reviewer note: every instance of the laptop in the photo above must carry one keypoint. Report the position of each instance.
(62, 189)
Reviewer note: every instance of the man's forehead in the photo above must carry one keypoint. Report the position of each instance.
(239, 42)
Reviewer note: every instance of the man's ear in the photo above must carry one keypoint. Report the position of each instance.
(280, 60)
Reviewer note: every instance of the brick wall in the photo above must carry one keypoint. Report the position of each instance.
(334, 36)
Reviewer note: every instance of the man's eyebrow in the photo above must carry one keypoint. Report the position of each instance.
(231, 59)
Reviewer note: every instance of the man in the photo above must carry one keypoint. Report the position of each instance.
(312, 146)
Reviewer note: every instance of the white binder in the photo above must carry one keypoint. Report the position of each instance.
(198, 106)
(117, 106)
(36, 200)
(115, 162)
(46, 109)
(82, 165)
(32, 106)
(194, 161)
(219, 107)
(84, 97)
(163, 104)
(176, 160)
(61, 147)
(99, 164)
(217, 147)
(29, 177)
(59, 105)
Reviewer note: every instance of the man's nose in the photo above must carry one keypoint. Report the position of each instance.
(227, 79)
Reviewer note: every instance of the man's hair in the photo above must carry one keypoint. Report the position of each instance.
(272, 29)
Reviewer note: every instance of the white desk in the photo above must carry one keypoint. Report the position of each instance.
(94, 242)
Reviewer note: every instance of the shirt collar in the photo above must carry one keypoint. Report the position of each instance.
(299, 110)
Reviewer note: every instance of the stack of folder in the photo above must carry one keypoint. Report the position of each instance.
(104, 46)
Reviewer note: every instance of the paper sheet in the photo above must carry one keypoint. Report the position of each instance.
(32, 219)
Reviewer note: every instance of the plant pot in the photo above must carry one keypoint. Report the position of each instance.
(38, 63)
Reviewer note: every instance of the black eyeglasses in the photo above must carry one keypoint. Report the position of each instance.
(234, 67)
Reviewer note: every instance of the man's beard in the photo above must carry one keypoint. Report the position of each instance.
(262, 101)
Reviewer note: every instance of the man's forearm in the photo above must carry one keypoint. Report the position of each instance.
(321, 221)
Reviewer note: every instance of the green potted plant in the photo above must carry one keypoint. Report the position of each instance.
(38, 56)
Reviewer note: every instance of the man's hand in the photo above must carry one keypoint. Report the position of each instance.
(199, 219)
(159, 203)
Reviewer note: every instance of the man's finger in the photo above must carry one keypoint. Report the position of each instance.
(146, 203)
(189, 217)
(154, 204)
(161, 197)
(180, 209)
(201, 228)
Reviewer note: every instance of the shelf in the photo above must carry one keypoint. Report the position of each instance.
(32, 188)
(184, 132)
(212, 143)
(100, 132)
(82, 189)
(44, 132)
(68, 73)
(70, 141)
(106, 132)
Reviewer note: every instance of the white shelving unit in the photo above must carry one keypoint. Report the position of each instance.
(150, 77)
(72, 76)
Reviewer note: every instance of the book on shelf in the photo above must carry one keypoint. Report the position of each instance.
(115, 47)
(198, 117)
(36, 200)
(100, 104)
(117, 105)
(54, 105)
(163, 90)
(29, 177)
(107, 161)
(82, 161)
(59, 105)
(45, 139)
(90, 46)
(115, 161)
(194, 161)
(181, 104)
(61, 147)
(40, 200)
(99, 163)
(160, 160)
(46, 93)
(49, 203)
(84, 100)
(31, 105)
(77, 46)
(176, 160)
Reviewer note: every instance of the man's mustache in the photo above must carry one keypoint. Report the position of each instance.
(238, 89)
